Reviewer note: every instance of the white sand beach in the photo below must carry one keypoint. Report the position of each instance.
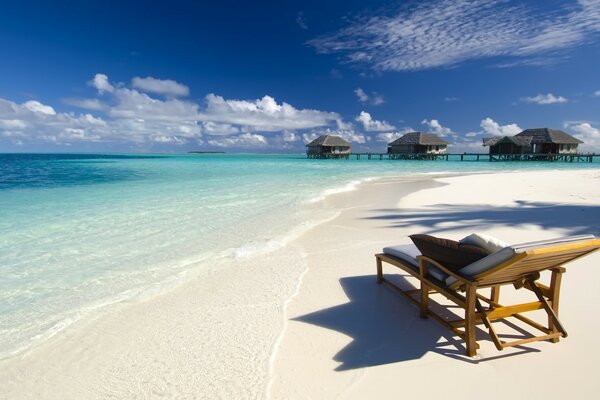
(332, 332)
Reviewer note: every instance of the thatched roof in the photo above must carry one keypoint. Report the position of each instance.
(519, 141)
(546, 135)
(330, 141)
(423, 138)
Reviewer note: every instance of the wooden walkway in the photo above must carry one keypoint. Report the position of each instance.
(464, 157)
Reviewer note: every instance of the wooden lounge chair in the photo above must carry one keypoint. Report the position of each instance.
(518, 265)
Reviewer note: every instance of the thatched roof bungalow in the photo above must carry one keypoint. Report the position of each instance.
(534, 141)
(546, 140)
(328, 146)
(418, 143)
(508, 144)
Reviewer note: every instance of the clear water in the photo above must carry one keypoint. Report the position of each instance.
(78, 232)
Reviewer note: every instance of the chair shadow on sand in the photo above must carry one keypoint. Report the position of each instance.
(385, 328)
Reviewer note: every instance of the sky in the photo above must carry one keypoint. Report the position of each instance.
(270, 76)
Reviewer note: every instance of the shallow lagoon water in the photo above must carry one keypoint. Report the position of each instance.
(78, 232)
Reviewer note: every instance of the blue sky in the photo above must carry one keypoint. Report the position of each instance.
(268, 76)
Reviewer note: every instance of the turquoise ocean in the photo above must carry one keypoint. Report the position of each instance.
(79, 232)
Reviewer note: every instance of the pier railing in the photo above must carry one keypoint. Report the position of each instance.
(553, 157)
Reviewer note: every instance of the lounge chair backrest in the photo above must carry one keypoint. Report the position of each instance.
(512, 263)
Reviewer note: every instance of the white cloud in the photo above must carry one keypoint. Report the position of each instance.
(168, 139)
(377, 99)
(370, 124)
(597, 93)
(214, 128)
(588, 134)
(548, 98)
(389, 137)
(289, 136)
(243, 140)
(160, 86)
(374, 98)
(493, 128)
(450, 99)
(362, 96)
(11, 124)
(347, 134)
(263, 114)
(437, 128)
(38, 107)
(448, 32)
(133, 119)
(301, 20)
(87, 104)
(100, 82)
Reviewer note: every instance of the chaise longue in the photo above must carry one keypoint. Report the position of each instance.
(517, 265)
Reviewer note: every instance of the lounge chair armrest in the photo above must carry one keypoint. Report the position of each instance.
(461, 278)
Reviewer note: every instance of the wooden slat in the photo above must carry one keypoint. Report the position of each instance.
(531, 339)
(507, 311)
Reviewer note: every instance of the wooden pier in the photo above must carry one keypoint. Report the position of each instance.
(551, 157)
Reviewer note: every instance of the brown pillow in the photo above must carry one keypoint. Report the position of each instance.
(451, 254)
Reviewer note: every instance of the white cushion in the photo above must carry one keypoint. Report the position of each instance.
(409, 253)
(486, 242)
(405, 252)
(484, 264)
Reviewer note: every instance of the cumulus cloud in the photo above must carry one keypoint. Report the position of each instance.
(493, 128)
(38, 107)
(33, 121)
(548, 98)
(589, 134)
(167, 87)
(437, 128)
(374, 98)
(130, 117)
(347, 134)
(168, 139)
(100, 82)
(370, 124)
(86, 104)
(362, 96)
(289, 136)
(389, 137)
(448, 32)
(263, 114)
(243, 140)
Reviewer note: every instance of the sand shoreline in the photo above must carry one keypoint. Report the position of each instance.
(350, 338)
(166, 346)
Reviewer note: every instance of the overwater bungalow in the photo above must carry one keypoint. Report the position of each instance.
(418, 143)
(328, 146)
(508, 144)
(534, 141)
(545, 140)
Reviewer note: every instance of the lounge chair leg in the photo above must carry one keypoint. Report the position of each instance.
(424, 305)
(488, 325)
(549, 309)
(554, 298)
(495, 295)
(470, 336)
(379, 270)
